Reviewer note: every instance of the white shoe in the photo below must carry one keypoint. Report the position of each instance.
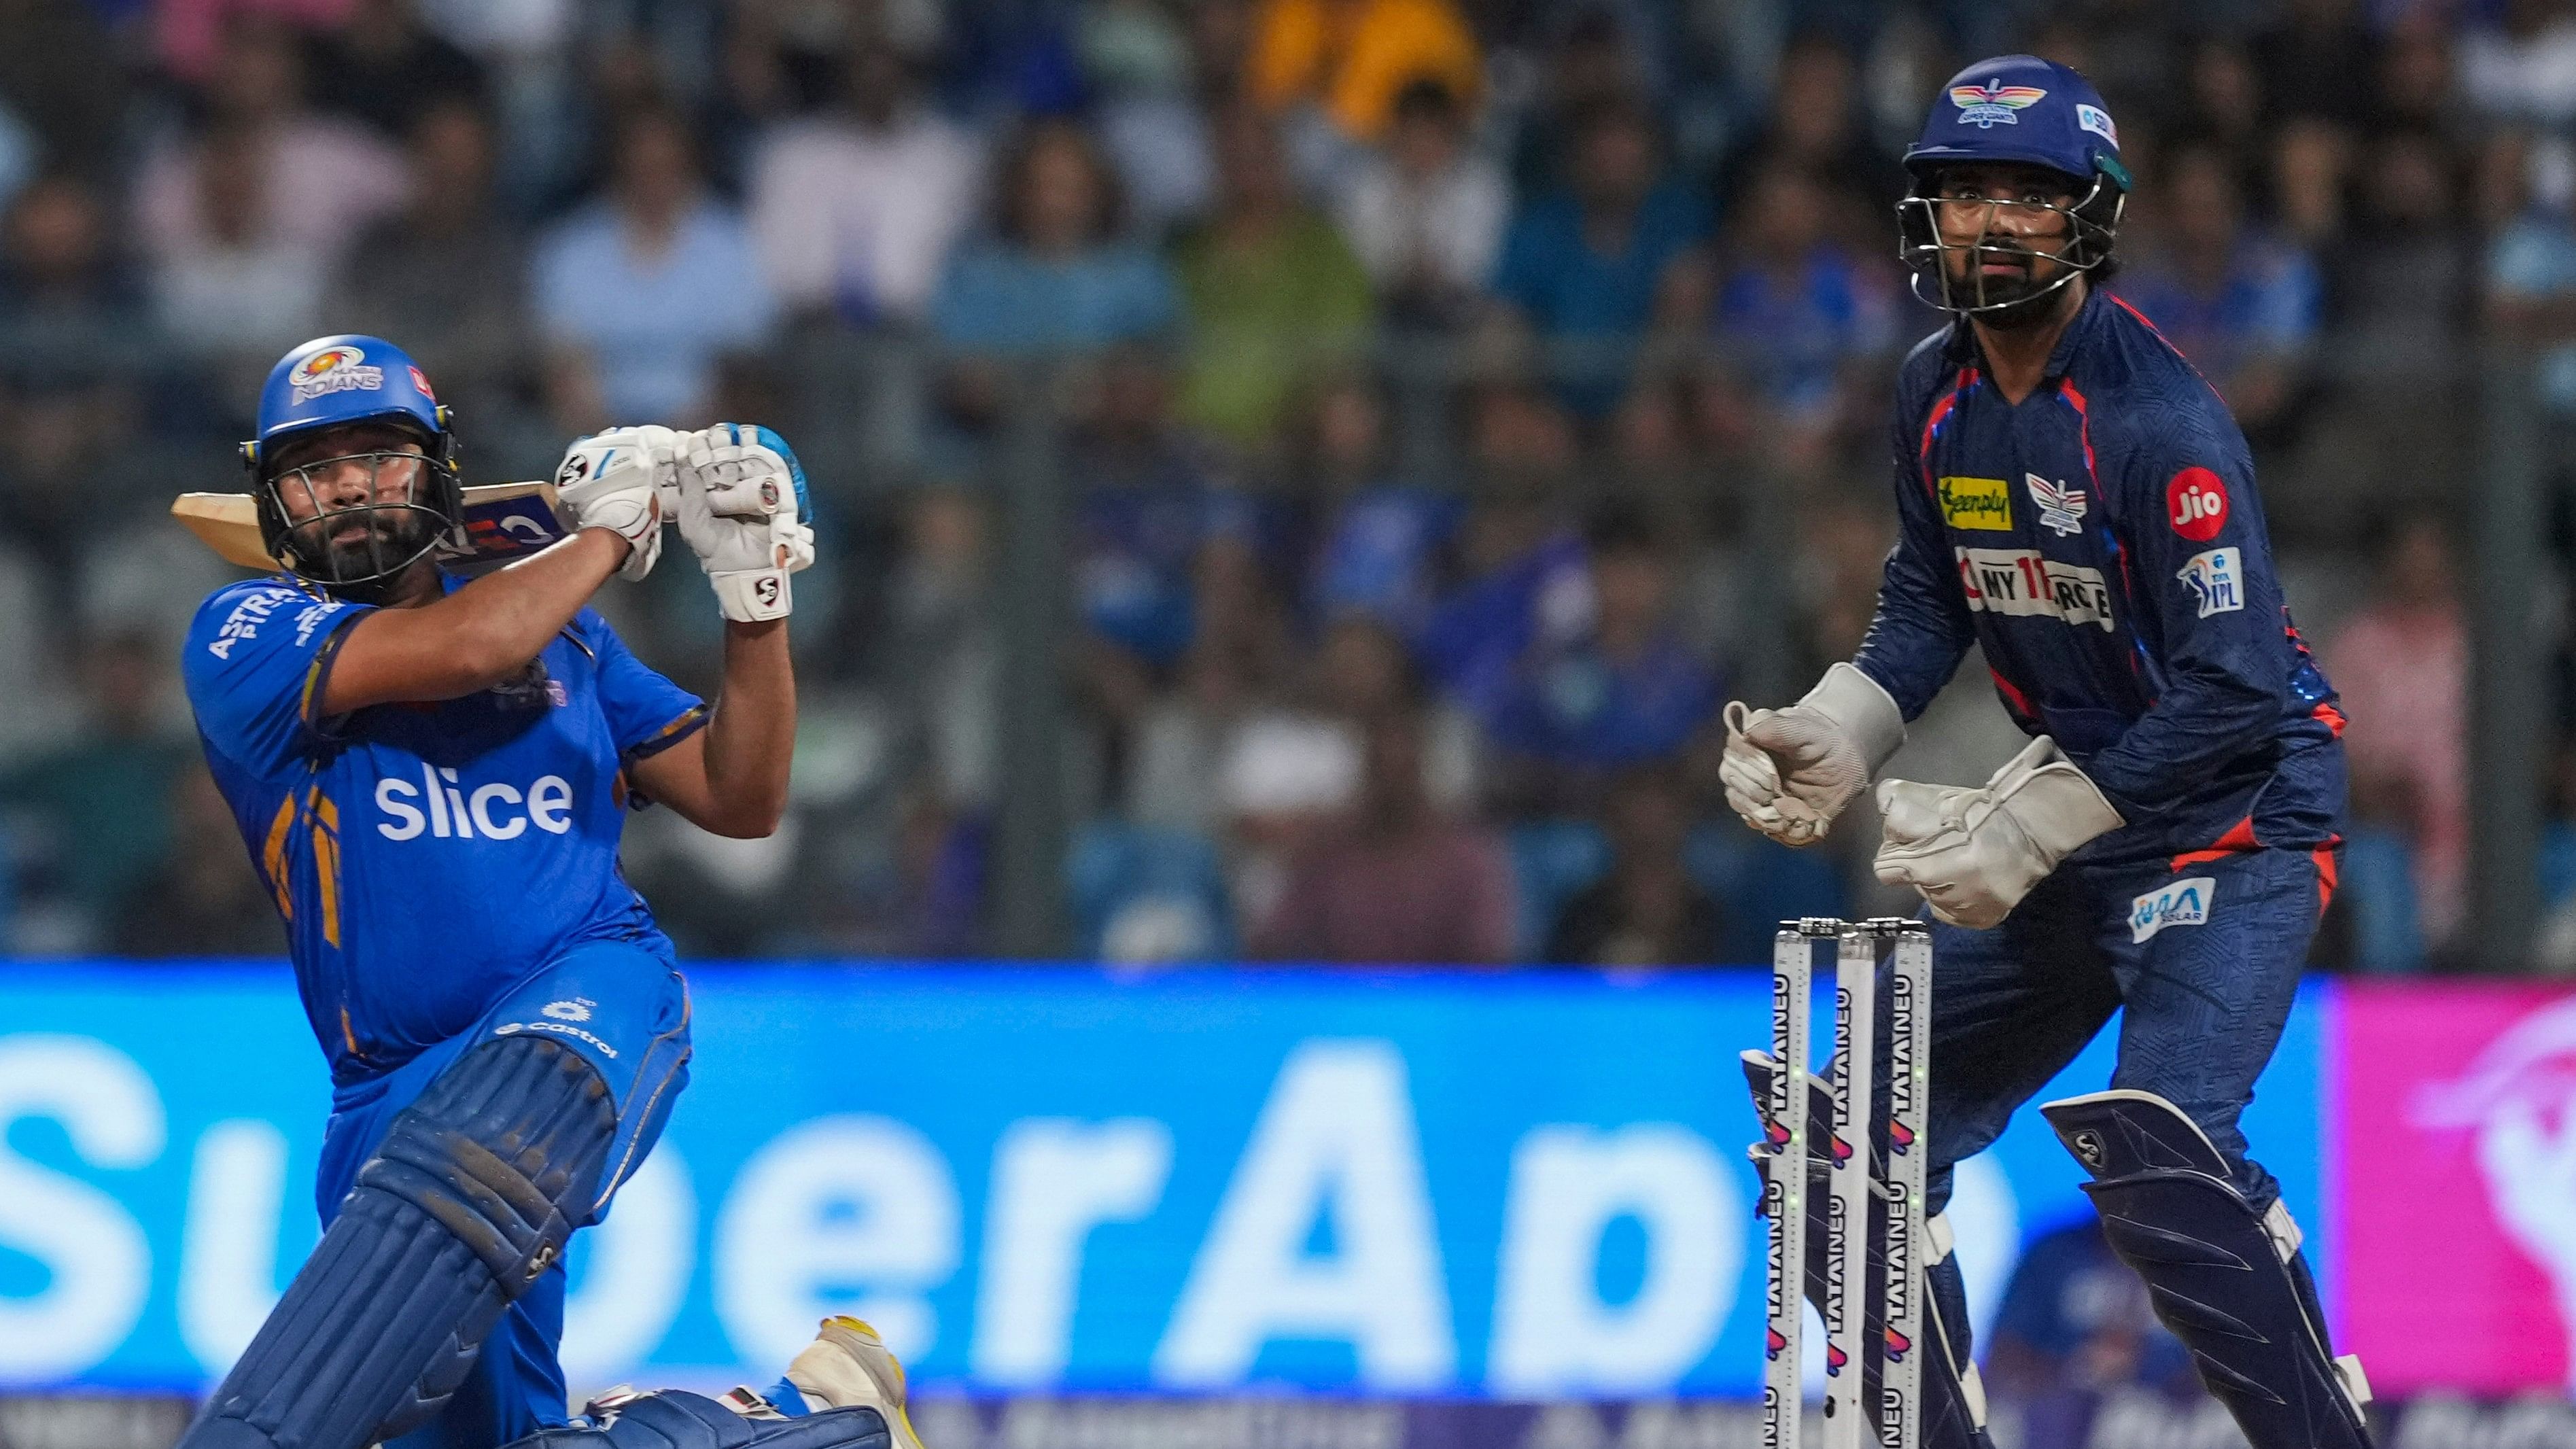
(848, 1366)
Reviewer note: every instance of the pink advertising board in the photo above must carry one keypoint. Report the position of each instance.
(2454, 1136)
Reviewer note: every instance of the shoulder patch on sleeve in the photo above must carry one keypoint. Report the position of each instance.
(2216, 580)
(2196, 504)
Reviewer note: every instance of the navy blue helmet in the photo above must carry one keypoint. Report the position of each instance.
(2024, 111)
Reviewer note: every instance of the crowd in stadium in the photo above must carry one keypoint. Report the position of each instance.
(1453, 404)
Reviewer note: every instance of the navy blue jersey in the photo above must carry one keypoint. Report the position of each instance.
(425, 857)
(2103, 544)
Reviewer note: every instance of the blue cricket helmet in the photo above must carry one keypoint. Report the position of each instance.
(2017, 110)
(2021, 108)
(332, 382)
(350, 378)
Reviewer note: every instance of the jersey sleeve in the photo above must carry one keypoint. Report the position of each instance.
(257, 659)
(2200, 568)
(647, 713)
(1922, 627)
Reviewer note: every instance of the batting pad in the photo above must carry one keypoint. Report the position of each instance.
(469, 1200)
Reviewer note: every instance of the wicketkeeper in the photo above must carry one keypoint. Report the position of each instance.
(2075, 500)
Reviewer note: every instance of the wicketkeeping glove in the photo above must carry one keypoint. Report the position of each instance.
(617, 480)
(1789, 772)
(1973, 854)
(743, 508)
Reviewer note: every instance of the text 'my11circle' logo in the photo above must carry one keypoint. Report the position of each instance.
(2196, 504)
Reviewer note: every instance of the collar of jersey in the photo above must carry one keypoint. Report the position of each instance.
(2061, 358)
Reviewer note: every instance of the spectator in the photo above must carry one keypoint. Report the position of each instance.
(1149, 502)
(205, 899)
(2320, 62)
(2402, 667)
(1055, 275)
(1273, 294)
(1621, 692)
(1397, 881)
(1426, 214)
(641, 291)
(2522, 65)
(1352, 58)
(1376, 540)
(63, 77)
(1793, 322)
(2221, 107)
(2406, 279)
(2531, 295)
(69, 311)
(1817, 125)
(386, 69)
(447, 277)
(228, 289)
(856, 210)
(1519, 560)
(1647, 911)
(99, 805)
(1363, 670)
(313, 182)
(1142, 59)
(1584, 267)
(2244, 308)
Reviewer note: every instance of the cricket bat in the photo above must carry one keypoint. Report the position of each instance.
(503, 521)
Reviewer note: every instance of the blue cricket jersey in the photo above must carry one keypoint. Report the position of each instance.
(425, 857)
(2103, 544)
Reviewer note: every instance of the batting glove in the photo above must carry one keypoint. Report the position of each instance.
(1789, 772)
(743, 507)
(1973, 854)
(618, 480)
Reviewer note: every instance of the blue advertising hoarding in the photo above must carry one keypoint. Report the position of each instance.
(1457, 1184)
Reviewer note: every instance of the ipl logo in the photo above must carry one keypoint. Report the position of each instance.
(1993, 104)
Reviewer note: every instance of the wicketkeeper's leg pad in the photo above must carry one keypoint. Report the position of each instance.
(468, 1201)
(2225, 1277)
(672, 1419)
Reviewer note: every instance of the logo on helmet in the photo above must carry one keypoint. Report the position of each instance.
(2098, 121)
(1993, 104)
(420, 380)
(334, 369)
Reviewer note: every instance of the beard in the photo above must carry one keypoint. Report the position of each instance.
(366, 545)
(2013, 301)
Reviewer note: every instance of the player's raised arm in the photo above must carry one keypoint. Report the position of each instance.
(742, 506)
(427, 643)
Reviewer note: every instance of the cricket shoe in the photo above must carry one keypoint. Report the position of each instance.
(848, 1366)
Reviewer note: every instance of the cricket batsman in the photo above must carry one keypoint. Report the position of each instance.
(2075, 500)
(430, 774)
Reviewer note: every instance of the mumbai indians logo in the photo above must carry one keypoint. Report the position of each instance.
(1993, 104)
(334, 369)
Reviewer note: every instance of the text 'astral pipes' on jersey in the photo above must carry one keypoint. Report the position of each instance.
(2021, 582)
